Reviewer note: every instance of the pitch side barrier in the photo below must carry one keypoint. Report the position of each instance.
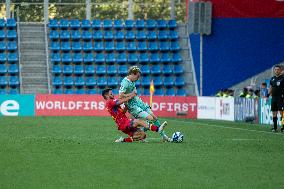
(231, 109)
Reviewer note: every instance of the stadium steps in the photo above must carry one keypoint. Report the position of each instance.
(33, 58)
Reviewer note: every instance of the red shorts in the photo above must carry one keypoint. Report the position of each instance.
(126, 126)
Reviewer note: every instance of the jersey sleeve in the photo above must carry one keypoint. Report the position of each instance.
(111, 103)
(123, 86)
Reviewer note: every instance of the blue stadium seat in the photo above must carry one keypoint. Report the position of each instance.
(3, 34)
(107, 24)
(109, 46)
(55, 46)
(12, 46)
(79, 81)
(163, 35)
(143, 58)
(100, 58)
(11, 23)
(129, 24)
(98, 35)
(64, 35)
(14, 90)
(145, 81)
(12, 57)
(159, 92)
(76, 46)
(156, 69)
(64, 24)
(55, 57)
(87, 46)
(77, 58)
(91, 91)
(102, 82)
(98, 46)
(65, 46)
(89, 69)
(112, 81)
(67, 69)
(13, 69)
(108, 35)
(56, 69)
(151, 35)
(86, 35)
(3, 91)
(85, 25)
(172, 24)
(146, 91)
(88, 57)
(75, 24)
(137, 83)
(53, 24)
(78, 70)
(152, 46)
(14, 81)
(142, 46)
(121, 58)
(140, 24)
(110, 58)
(96, 24)
(111, 70)
(141, 35)
(119, 35)
(151, 24)
(3, 69)
(138, 90)
(57, 81)
(131, 46)
(122, 70)
(145, 70)
(57, 90)
(165, 57)
(75, 35)
(3, 81)
(80, 91)
(132, 58)
(176, 57)
(164, 46)
(66, 58)
(130, 35)
(178, 69)
(3, 57)
(154, 58)
(90, 82)
(2, 23)
(68, 81)
(181, 92)
(170, 92)
(101, 70)
(54, 35)
(161, 24)
(118, 24)
(69, 91)
(175, 46)
(179, 81)
(167, 69)
(2, 45)
(120, 46)
(158, 81)
(115, 91)
(168, 81)
(173, 35)
(11, 34)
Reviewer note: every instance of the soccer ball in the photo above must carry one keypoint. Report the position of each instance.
(177, 137)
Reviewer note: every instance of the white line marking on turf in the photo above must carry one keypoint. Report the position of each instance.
(224, 127)
(244, 139)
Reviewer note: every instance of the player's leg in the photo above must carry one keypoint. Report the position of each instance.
(151, 127)
(274, 109)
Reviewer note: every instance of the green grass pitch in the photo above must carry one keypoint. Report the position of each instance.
(79, 152)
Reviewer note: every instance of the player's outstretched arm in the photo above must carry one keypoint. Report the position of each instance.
(122, 100)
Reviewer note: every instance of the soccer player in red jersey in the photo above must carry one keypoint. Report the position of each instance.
(126, 125)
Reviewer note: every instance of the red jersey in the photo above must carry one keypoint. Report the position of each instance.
(116, 112)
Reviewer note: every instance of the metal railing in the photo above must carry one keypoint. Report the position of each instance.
(20, 55)
(47, 59)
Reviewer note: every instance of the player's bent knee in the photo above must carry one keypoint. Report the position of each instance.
(150, 118)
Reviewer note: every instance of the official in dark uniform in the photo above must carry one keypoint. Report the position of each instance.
(276, 91)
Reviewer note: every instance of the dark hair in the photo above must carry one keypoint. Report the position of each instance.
(278, 66)
(105, 91)
(264, 84)
(134, 70)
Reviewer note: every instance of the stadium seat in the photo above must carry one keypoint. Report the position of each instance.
(85, 25)
(64, 24)
(158, 81)
(168, 81)
(143, 58)
(108, 35)
(88, 57)
(172, 24)
(89, 70)
(145, 70)
(12, 46)
(140, 24)
(98, 46)
(14, 90)
(75, 35)
(80, 91)
(78, 70)
(13, 69)
(76, 46)
(120, 46)
(146, 92)
(2, 23)
(130, 35)
(151, 24)
(90, 82)
(14, 81)
(112, 70)
(109, 46)
(167, 69)
(170, 92)
(119, 35)
(67, 69)
(75, 24)
(100, 58)
(152, 46)
(64, 35)
(3, 81)
(53, 24)
(56, 69)
(139, 90)
(57, 90)
(102, 82)
(98, 35)
(131, 46)
(156, 70)
(107, 24)
(137, 83)
(69, 91)
(101, 70)
(96, 24)
(66, 58)
(122, 70)
(118, 24)
(54, 35)
(165, 57)
(132, 58)
(129, 24)
(161, 24)
(3, 57)
(3, 69)
(112, 81)
(77, 58)
(2, 46)
(11, 34)
(142, 46)
(173, 35)
(11, 23)
(86, 35)
(154, 58)
(65, 46)
(179, 81)
(164, 46)
(151, 35)
(79, 81)
(87, 46)
(145, 81)
(3, 34)
(175, 46)
(55, 57)
(121, 58)
(57, 81)
(181, 92)
(141, 35)
(115, 91)
(178, 69)
(176, 57)
(68, 81)
(159, 92)
(163, 35)
(91, 91)
(110, 58)
(3, 91)
(12, 57)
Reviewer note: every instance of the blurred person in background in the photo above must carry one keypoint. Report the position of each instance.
(263, 90)
(244, 93)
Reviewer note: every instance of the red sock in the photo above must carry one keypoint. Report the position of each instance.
(154, 128)
(129, 139)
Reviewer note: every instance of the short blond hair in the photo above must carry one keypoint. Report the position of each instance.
(134, 70)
